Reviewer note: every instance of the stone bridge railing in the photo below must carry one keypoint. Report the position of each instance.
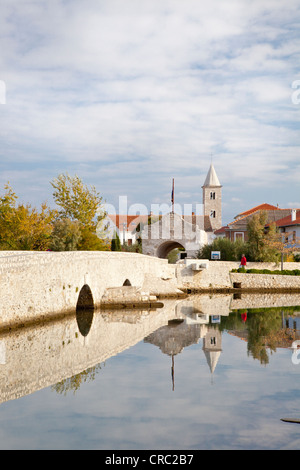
(36, 285)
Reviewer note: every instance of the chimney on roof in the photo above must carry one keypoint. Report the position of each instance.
(294, 213)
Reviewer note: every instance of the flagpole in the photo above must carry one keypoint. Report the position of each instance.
(172, 197)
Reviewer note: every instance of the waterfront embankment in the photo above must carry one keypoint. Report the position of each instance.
(206, 275)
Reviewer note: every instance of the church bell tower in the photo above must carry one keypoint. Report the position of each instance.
(212, 198)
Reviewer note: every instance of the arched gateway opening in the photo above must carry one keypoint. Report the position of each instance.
(165, 248)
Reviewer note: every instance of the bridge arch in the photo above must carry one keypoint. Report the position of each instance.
(166, 247)
(85, 299)
(84, 320)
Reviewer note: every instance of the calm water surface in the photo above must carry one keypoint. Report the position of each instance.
(196, 374)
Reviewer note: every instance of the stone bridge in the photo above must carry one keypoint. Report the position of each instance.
(39, 286)
(36, 285)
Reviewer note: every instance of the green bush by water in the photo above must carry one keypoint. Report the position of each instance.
(285, 272)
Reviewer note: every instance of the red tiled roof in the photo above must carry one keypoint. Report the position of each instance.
(286, 221)
(131, 220)
(260, 207)
(273, 213)
(221, 230)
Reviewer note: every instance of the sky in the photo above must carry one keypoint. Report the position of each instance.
(129, 94)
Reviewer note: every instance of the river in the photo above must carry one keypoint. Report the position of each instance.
(206, 372)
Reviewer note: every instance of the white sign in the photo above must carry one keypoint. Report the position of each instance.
(216, 255)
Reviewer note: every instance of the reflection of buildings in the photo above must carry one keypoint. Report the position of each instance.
(38, 356)
(212, 347)
(174, 337)
(291, 323)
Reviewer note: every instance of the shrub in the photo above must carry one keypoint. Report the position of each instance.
(230, 251)
(285, 272)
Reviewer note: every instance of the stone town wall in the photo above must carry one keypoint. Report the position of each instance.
(206, 274)
(223, 303)
(265, 300)
(264, 281)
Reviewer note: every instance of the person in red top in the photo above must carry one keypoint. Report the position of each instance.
(243, 261)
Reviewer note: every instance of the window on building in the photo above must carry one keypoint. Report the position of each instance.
(212, 195)
(213, 214)
(238, 235)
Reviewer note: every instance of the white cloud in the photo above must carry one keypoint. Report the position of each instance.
(152, 88)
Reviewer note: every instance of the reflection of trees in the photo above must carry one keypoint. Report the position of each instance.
(74, 383)
(263, 330)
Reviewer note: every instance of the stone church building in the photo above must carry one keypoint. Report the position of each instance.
(187, 232)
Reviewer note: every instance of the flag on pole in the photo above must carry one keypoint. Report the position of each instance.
(172, 196)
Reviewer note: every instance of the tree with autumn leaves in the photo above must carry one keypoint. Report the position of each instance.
(21, 226)
(81, 212)
(266, 243)
(72, 226)
(258, 238)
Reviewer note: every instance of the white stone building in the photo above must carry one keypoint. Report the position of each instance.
(189, 233)
(125, 226)
(162, 233)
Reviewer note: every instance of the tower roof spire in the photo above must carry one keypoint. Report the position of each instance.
(211, 178)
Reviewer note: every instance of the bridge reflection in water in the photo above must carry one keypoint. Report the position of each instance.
(32, 358)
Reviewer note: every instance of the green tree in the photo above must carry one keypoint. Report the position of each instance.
(256, 228)
(66, 235)
(77, 200)
(134, 248)
(90, 241)
(260, 243)
(83, 204)
(115, 243)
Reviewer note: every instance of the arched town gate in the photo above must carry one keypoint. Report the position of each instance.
(171, 231)
(166, 247)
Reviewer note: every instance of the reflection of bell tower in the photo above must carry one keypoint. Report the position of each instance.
(173, 338)
(212, 347)
(212, 198)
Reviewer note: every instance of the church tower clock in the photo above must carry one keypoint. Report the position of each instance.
(212, 198)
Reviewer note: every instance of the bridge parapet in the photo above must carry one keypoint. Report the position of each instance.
(36, 285)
